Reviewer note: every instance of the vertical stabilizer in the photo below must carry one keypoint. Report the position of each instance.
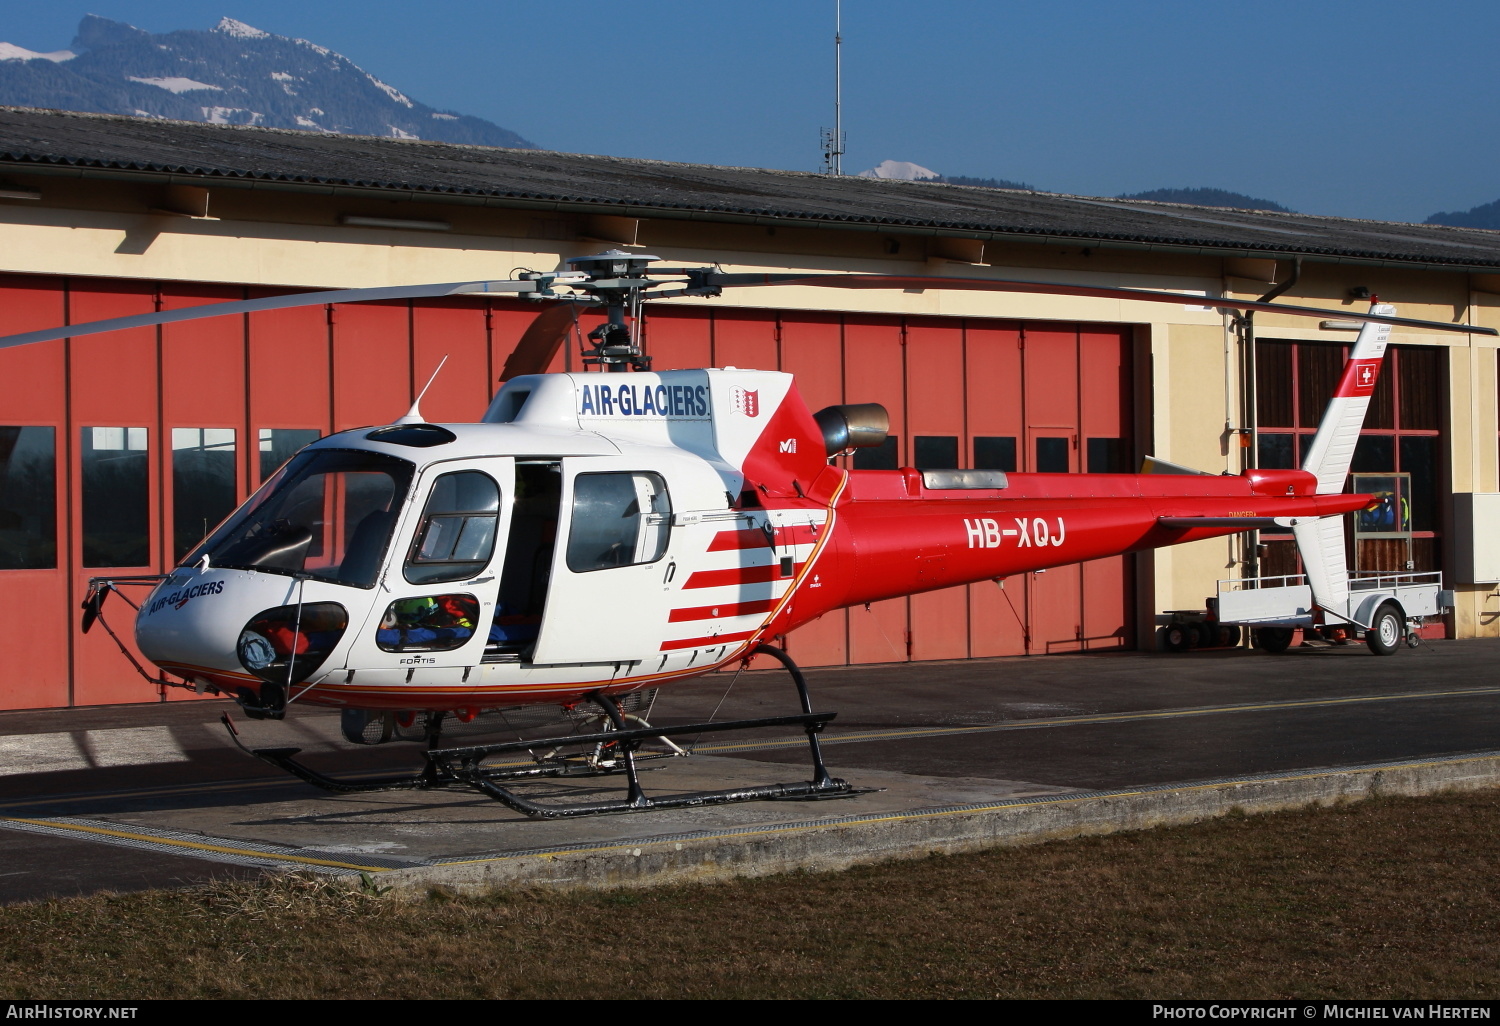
(1332, 448)
(1321, 542)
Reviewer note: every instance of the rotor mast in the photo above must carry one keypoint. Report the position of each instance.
(616, 279)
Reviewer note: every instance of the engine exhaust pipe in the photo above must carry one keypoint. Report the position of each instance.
(853, 426)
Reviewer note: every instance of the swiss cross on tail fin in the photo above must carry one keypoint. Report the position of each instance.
(1362, 377)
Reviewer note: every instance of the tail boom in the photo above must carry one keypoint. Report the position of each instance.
(886, 548)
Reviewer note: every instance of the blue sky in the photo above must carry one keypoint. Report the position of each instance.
(1374, 109)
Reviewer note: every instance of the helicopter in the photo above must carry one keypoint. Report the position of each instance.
(596, 536)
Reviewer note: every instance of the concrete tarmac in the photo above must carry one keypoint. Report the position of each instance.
(131, 797)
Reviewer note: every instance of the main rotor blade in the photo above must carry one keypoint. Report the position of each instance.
(541, 341)
(891, 281)
(287, 302)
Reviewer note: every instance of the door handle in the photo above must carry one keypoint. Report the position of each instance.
(671, 572)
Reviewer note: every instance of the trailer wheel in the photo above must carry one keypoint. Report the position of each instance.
(1229, 634)
(1180, 637)
(1273, 639)
(1386, 630)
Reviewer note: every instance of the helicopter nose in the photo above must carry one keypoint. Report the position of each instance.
(286, 644)
(197, 624)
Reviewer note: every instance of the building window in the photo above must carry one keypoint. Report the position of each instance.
(1401, 435)
(995, 452)
(618, 520)
(203, 484)
(277, 445)
(28, 498)
(1108, 456)
(935, 452)
(116, 497)
(885, 456)
(1052, 455)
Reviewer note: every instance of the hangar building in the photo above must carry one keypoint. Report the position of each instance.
(117, 452)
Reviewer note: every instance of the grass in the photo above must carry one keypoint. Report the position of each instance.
(1389, 898)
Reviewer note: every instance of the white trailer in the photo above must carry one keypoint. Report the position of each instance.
(1382, 608)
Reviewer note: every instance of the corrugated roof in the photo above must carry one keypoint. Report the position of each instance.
(30, 137)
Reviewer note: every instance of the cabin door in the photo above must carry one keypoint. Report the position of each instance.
(436, 596)
(607, 597)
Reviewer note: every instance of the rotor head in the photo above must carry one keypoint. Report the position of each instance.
(612, 264)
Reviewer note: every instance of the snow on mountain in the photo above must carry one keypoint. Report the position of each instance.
(231, 116)
(255, 78)
(392, 93)
(12, 52)
(903, 170)
(174, 85)
(239, 30)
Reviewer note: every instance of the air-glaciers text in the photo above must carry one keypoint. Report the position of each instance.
(629, 400)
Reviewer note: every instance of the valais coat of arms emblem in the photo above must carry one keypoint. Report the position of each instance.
(746, 401)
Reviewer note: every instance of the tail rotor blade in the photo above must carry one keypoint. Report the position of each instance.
(540, 342)
(270, 303)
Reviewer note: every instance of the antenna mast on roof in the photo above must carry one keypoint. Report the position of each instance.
(833, 142)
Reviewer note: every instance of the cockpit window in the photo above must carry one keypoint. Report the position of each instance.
(457, 534)
(329, 513)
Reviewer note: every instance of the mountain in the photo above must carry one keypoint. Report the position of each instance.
(1208, 198)
(1486, 215)
(987, 183)
(232, 74)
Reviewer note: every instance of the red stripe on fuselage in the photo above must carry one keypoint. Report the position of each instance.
(755, 538)
(748, 538)
(722, 639)
(738, 575)
(725, 609)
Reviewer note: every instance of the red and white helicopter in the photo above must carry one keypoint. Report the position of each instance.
(598, 535)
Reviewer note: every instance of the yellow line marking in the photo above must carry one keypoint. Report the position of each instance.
(195, 845)
(897, 817)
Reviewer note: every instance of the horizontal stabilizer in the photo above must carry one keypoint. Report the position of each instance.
(1153, 465)
(1243, 523)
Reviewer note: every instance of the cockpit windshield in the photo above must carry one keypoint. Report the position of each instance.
(329, 513)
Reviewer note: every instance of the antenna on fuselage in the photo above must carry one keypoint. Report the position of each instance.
(414, 415)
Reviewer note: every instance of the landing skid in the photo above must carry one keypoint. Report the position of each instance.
(460, 767)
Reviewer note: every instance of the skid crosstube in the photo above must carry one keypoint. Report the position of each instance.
(448, 767)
